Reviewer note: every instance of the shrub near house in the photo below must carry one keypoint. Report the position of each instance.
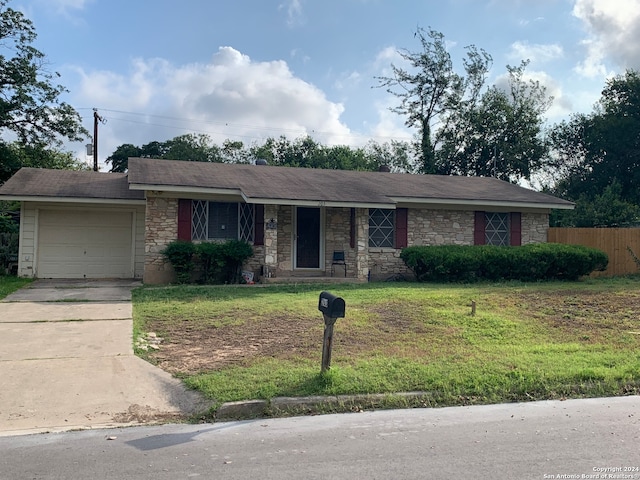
(216, 262)
(542, 261)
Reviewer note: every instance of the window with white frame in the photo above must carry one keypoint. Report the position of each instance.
(496, 231)
(381, 227)
(222, 221)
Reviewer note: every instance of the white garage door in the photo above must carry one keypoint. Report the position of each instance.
(87, 244)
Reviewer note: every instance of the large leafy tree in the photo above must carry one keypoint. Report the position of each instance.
(302, 152)
(599, 153)
(606, 209)
(32, 115)
(188, 147)
(430, 88)
(15, 155)
(394, 154)
(498, 135)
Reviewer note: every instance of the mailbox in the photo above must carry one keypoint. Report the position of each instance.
(331, 306)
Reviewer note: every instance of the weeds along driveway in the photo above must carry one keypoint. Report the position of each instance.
(66, 361)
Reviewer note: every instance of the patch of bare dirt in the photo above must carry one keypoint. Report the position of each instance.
(581, 315)
(145, 414)
(587, 314)
(188, 350)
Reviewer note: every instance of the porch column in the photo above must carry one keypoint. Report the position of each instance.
(270, 240)
(362, 243)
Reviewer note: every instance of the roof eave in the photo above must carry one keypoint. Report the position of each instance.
(318, 203)
(36, 198)
(484, 203)
(186, 189)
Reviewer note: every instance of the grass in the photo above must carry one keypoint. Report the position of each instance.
(9, 284)
(526, 341)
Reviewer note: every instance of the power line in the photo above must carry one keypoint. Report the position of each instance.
(297, 132)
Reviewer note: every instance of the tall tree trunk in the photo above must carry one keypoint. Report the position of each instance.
(426, 149)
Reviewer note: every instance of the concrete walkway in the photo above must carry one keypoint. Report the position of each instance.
(67, 362)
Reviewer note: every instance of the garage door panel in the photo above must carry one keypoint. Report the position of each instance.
(117, 235)
(53, 235)
(85, 244)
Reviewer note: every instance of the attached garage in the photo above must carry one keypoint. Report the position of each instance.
(85, 244)
(78, 224)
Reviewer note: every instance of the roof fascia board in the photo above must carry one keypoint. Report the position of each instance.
(483, 203)
(179, 189)
(318, 203)
(109, 201)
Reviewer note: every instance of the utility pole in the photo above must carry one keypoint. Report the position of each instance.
(96, 118)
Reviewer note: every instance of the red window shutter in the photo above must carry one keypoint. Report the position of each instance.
(258, 235)
(352, 228)
(478, 229)
(401, 227)
(516, 229)
(184, 219)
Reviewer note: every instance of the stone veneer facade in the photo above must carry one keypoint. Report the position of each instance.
(161, 228)
(445, 227)
(275, 257)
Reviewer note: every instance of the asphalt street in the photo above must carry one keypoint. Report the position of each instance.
(592, 438)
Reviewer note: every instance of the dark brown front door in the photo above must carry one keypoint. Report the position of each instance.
(308, 238)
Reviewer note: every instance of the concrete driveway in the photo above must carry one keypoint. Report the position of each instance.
(67, 362)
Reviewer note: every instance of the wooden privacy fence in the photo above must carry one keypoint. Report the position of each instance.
(615, 242)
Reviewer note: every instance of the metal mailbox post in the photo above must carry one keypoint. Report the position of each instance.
(332, 308)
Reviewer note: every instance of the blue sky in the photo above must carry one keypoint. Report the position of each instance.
(250, 69)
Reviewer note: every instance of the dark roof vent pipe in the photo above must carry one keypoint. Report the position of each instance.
(384, 168)
(261, 161)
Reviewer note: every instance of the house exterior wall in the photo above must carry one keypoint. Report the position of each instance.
(444, 227)
(28, 240)
(160, 229)
(337, 238)
(284, 261)
(256, 263)
(29, 215)
(535, 228)
(425, 227)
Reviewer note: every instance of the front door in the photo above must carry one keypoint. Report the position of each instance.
(307, 237)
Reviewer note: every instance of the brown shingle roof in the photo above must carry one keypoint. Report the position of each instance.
(41, 182)
(278, 184)
(305, 184)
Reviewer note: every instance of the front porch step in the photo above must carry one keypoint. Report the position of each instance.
(287, 280)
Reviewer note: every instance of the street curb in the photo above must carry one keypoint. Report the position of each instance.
(286, 406)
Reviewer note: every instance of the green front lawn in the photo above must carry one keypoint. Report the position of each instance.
(525, 342)
(9, 284)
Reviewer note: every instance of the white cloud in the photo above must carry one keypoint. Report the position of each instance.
(348, 80)
(389, 125)
(69, 4)
(295, 15)
(65, 7)
(537, 53)
(614, 28)
(561, 106)
(229, 97)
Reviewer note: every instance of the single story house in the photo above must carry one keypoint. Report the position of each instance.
(115, 225)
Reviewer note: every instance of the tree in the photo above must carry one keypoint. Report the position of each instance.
(601, 210)
(432, 88)
(302, 152)
(394, 154)
(33, 119)
(188, 147)
(193, 148)
(498, 135)
(15, 155)
(591, 152)
(30, 105)
(307, 153)
(119, 159)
